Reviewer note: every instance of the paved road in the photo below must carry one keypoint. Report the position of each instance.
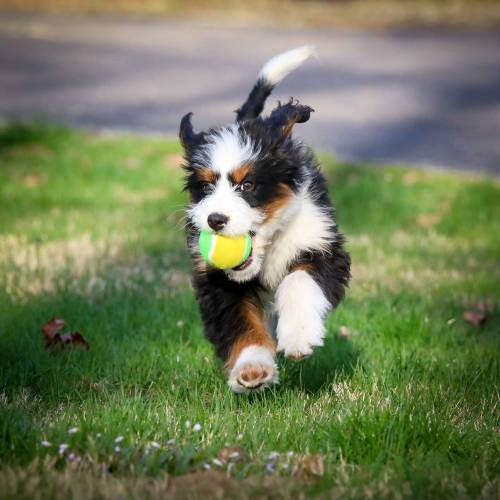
(431, 99)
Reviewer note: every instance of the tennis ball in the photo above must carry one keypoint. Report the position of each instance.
(224, 252)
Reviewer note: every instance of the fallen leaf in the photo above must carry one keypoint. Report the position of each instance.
(52, 328)
(231, 453)
(426, 221)
(344, 332)
(410, 178)
(174, 160)
(474, 317)
(33, 180)
(477, 313)
(310, 465)
(55, 338)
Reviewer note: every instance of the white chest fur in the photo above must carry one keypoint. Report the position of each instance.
(304, 226)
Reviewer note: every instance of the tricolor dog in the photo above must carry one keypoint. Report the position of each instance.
(253, 178)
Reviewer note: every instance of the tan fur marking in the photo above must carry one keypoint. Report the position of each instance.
(238, 176)
(287, 129)
(285, 193)
(303, 266)
(206, 175)
(256, 333)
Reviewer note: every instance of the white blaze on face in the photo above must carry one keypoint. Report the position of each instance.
(228, 150)
(225, 152)
(225, 200)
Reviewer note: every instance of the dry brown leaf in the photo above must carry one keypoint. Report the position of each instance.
(310, 465)
(410, 178)
(426, 221)
(174, 160)
(55, 338)
(52, 328)
(477, 314)
(344, 332)
(231, 453)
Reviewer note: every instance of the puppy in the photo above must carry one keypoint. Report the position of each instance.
(252, 177)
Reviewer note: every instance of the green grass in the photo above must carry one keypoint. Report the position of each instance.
(91, 229)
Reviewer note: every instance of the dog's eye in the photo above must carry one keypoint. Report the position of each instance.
(206, 187)
(246, 186)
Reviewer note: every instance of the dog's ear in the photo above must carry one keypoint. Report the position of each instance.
(285, 116)
(188, 137)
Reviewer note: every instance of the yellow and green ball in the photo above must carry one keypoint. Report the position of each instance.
(224, 252)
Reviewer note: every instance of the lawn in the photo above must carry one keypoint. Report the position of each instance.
(400, 402)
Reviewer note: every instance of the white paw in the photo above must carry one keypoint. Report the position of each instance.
(255, 369)
(301, 307)
(298, 344)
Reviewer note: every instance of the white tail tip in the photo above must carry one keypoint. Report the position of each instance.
(279, 66)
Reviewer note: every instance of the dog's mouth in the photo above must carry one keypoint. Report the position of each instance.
(247, 263)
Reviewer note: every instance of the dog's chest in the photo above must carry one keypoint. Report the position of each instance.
(309, 229)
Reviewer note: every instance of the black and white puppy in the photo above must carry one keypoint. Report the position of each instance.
(252, 177)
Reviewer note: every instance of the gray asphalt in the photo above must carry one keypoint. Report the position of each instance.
(428, 99)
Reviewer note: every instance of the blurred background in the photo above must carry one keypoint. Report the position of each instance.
(398, 81)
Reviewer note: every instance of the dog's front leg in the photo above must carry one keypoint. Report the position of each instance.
(250, 364)
(233, 318)
(302, 307)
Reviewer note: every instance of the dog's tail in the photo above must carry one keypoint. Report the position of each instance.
(270, 75)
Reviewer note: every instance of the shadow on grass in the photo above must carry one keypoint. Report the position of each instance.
(19, 134)
(336, 359)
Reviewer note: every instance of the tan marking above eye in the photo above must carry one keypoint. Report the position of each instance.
(238, 176)
(206, 175)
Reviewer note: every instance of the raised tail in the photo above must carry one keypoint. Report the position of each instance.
(270, 75)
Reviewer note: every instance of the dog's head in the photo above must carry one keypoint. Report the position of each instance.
(243, 178)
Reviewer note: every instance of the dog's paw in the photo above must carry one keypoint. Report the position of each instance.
(297, 347)
(254, 370)
(301, 306)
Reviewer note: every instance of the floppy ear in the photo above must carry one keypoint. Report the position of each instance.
(189, 138)
(285, 116)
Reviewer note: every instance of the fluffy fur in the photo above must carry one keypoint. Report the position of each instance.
(260, 181)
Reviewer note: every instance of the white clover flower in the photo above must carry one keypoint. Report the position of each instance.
(207, 466)
(72, 430)
(170, 442)
(217, 462)
(71, 457)
(239, 437)
(154, 444)
(62, 448)
(119, 439)
(273, 455)
(197, 427)
(46, 444)
(290, 454)
(117, 449)
(188, 424)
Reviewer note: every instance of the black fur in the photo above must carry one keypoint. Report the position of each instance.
(220, 302)
(254, 104)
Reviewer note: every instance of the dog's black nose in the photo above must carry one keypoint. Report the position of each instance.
(217, 221)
